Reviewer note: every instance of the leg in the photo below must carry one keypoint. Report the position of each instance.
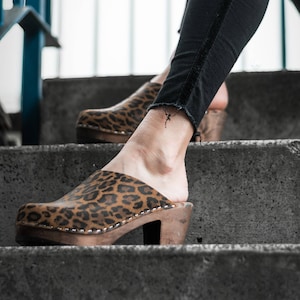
(211, 126)
(155, 152)
(219, 102)
(197, 71)
(207, 51)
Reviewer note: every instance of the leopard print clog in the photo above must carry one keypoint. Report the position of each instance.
(117, 123)
(99, 211)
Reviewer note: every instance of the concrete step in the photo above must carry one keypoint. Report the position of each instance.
(263, 105)
(242, 272)
(243, 191)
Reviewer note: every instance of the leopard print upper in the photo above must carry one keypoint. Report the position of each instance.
(104, 201)
(124, 117)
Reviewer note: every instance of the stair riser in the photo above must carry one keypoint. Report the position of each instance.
(221, 272)
(263, 105)
(242, 192)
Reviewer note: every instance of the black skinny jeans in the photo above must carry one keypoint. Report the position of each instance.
(212, 36)
(297, 4)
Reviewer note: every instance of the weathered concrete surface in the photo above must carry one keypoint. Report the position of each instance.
(260, 272)
(243, 192)
(64, 98)
(262, 105)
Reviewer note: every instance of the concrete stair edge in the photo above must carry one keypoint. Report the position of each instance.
(243, 191)
(151, 272)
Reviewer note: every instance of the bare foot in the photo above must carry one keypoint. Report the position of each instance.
(156, 151)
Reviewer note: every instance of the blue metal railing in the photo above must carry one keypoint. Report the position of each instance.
(1, 13)
(34, 17)
(48, 12)
(32, 93)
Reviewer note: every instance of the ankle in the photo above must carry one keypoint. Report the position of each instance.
(158, 168)
(157, 160)
(165, 131)
(155, 154)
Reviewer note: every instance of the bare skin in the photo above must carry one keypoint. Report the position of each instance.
(156, 151)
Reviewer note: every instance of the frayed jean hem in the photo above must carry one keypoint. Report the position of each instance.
(178, 107)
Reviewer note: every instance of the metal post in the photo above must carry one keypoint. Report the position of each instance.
(31, 86)
(283, 35)
(48, 12)
(1, 13)
(34, 42)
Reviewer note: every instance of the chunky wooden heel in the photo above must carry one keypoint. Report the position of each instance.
(175, 225)
(101, 210)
